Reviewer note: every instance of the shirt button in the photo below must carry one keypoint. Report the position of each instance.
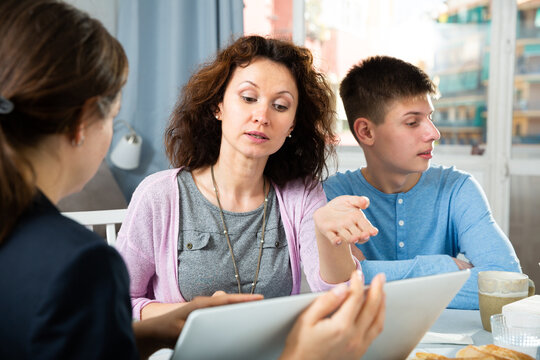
(190, 246)
(400, 201)
(401, 244)
(401, 222)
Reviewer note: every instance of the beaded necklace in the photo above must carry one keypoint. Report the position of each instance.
(226, 232)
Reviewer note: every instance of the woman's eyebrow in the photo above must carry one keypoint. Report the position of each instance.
(256, 86)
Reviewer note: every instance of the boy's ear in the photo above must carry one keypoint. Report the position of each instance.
(363, 129)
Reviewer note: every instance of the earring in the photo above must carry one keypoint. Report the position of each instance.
(289, 136)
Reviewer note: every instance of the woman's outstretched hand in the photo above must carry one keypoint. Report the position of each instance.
(339, 225)
(342, 220)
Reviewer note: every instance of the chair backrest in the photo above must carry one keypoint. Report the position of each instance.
(109, 218)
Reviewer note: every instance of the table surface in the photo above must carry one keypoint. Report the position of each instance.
(451, 321)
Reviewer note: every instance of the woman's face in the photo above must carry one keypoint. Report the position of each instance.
(258, 110)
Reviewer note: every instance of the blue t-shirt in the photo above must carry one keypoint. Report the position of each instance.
(446, 213)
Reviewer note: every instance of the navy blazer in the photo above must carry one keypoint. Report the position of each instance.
(64, 293)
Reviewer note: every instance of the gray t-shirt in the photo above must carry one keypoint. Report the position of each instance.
(204, 259)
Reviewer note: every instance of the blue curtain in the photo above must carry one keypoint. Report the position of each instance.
(165, 42)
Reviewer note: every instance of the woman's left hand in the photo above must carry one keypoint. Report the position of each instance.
(162, 331)
(342, 220)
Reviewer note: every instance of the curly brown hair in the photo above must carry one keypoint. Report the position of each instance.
(190, 138)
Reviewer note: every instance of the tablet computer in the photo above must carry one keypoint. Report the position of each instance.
(257, 330)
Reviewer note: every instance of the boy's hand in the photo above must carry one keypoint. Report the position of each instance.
(342, 220)
(462, 265)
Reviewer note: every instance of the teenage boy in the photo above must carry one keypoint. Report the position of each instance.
(426, 215)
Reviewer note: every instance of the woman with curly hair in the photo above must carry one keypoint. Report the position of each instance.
(248, 139)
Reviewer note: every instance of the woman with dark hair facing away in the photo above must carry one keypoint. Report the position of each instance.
(248, 139)
(65, 292)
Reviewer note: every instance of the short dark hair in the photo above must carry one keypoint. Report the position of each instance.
(376, 82)
(193, 136)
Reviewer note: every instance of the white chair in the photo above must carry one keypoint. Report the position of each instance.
(109, 218)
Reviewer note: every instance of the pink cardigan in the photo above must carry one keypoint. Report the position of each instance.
(149, 234)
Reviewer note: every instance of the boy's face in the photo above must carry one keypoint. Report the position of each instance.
(403, 143)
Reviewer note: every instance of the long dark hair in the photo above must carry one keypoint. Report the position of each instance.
(54, 58)
(190, 138)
